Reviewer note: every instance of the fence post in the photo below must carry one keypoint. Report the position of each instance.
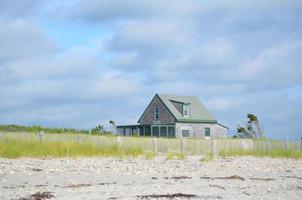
(301, 144)
(155, 144)
(213, 146)
(252, 147)
(79, 139)
(118, 142)
(266, 146)
(41, 136)
(243, 144)
(285, 143)
(182, 146)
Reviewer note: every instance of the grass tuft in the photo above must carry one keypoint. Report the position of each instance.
(172, 155)
(208, 157)
(149, 155)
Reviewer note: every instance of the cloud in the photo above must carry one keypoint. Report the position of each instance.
(100, 11)
(17, 9)
(236, 56)
(152, 37)
(20, 39)
(96, 11)
(276, 66)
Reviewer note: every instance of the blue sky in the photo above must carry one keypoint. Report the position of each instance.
(85, 62)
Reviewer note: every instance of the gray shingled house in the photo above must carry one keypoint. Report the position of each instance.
(175, 116)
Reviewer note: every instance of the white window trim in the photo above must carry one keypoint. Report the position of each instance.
(188, 113)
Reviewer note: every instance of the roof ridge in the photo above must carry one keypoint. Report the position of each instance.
(176, 95)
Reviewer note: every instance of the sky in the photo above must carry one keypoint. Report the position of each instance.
(79, 63)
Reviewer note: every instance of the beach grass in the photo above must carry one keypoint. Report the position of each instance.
(16, 148)
(273, 153)
(174, 155)
(15, 145)
(208, 157)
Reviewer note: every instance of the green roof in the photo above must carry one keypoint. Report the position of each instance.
(198, 112)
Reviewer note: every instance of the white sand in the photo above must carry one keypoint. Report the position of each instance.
(104, 178)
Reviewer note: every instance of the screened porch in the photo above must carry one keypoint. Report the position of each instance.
(147, 130)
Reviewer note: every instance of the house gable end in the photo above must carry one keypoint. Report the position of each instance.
(166, 117)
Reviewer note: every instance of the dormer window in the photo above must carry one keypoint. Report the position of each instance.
(186, 110)
(156, 113)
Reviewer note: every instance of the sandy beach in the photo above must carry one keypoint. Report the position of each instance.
(138, 178)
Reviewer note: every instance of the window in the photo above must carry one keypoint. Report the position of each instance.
(171, 132)
(207, 132)
(163, 131)
(147, 131)
(155, 131)
(186, 110)
(185, 133)
(156, 113)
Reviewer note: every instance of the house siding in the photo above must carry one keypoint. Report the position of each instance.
(198, 130)
(165, 116)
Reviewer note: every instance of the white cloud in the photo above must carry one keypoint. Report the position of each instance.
(276, 66)
(17, 9)
(151, 37)
(20, 39)
(100, 11)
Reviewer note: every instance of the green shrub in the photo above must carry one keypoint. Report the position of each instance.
(36, 129)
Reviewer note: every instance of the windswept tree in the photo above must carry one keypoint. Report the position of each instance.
(113, 126)
(253, 119)
(245, 133)
(252, 130)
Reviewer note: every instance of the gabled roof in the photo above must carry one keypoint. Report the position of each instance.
(198, 112)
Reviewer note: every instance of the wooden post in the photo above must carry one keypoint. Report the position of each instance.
(213, 146)
(155, 145)
(79, 139)
(41, 136)
(182, 146)
(285, 144)
(243, 144)
(118, 142)
(266, 146)
(301, 144)
(67, 152)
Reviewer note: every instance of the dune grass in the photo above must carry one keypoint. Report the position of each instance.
(175, 155)
(37, 129)
(273, 153)
(149, 155)
(16, 148)
(15, 145)
(208, 157)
